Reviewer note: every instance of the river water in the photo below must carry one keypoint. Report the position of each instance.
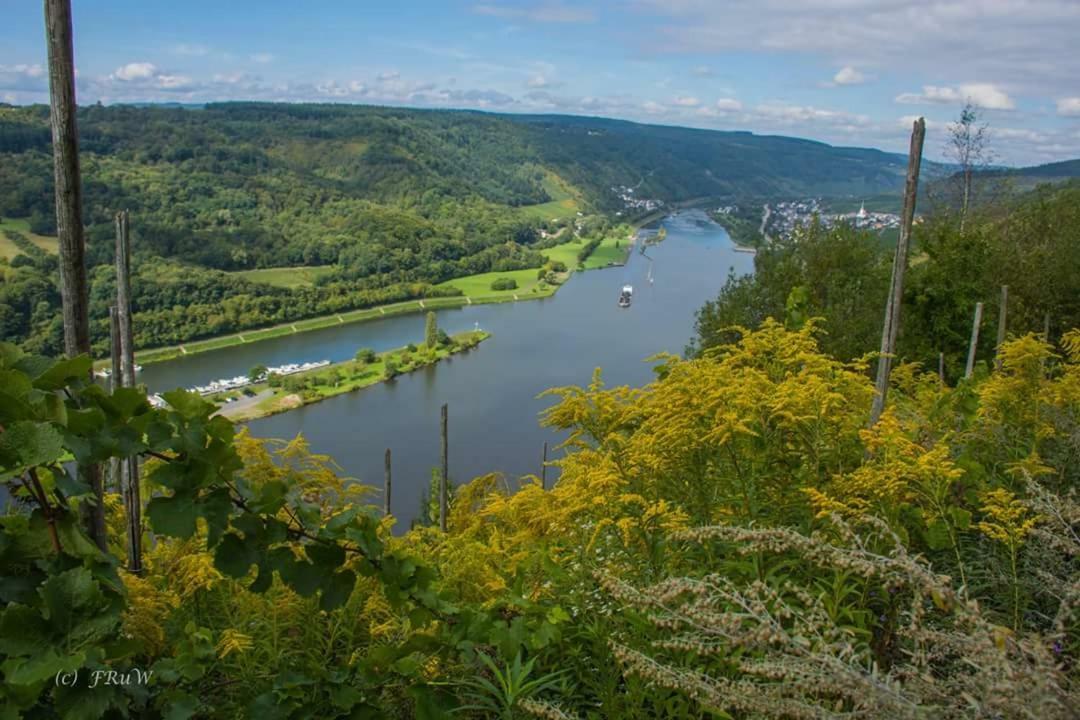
(492, 390)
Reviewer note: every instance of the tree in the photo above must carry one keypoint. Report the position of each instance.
(365, 355)
(257, 373)
(968, 144)
(391, 367)
(431, 331)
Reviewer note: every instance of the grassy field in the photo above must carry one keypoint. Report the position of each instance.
(287, 277)
(338, 379)
(564, 200)
(613, 249)
(9, 250)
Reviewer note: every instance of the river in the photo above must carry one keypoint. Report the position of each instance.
(492, 390)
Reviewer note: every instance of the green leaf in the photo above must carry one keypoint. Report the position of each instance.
(188, 404)
(271, 497)
(40, 667)
(64, 371)
(173, 516)
(327, 555)
(961, 517)
(23, 631)
(182, 707)
(26, 443)
(937, 535)
(235, 556)
(337, 590)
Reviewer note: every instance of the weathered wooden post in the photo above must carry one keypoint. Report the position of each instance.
(115, 468)
(71, 249)
(444, 480)
(543, 468)
(123, 298)
(1002, 319)
(974, 340)
(386, 483)
(130, 466)
(941, 367)
(896, 285)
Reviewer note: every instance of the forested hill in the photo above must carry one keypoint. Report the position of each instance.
(678, 163)
(148, 156)
(389, 201)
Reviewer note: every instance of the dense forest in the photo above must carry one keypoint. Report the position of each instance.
(392, 200)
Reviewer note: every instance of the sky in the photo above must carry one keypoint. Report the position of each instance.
(846, 72)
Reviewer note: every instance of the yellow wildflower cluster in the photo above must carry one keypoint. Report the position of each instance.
(1008, 519)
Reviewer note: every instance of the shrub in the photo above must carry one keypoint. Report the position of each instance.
(504, 283)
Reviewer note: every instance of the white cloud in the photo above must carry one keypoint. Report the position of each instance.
(23, 77)
(653, 108)
(537, 81)
(135, 71)
(545, 12)
(1068, 106)
(190, 50)
(848, 75)
(728, 105)
(262, 58)
(686, 101)
(172, 82)
(1020, 43)
(985, 95)
(798, 114)
(703, 71)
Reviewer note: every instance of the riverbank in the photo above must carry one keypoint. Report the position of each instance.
(476, 290)
(280, 395)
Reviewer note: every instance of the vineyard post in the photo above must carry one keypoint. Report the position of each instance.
(115, 467)
(74, 293)
(543, 468)
(1002, 319)
(444, 479)
(896, 285)
(129, 466)
(970, 368)
(386, 483)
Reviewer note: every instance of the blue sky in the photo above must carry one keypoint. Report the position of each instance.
(841, 71)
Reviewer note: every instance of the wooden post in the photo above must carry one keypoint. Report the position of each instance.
(974, 340)
(896, 285)
(941, 367)
(74, 293)
(543, 468)
(115, 381)
(129, 467)
(386, 483)
(65, 137)
(444, 480)
(123, 298)
(1002, 318)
